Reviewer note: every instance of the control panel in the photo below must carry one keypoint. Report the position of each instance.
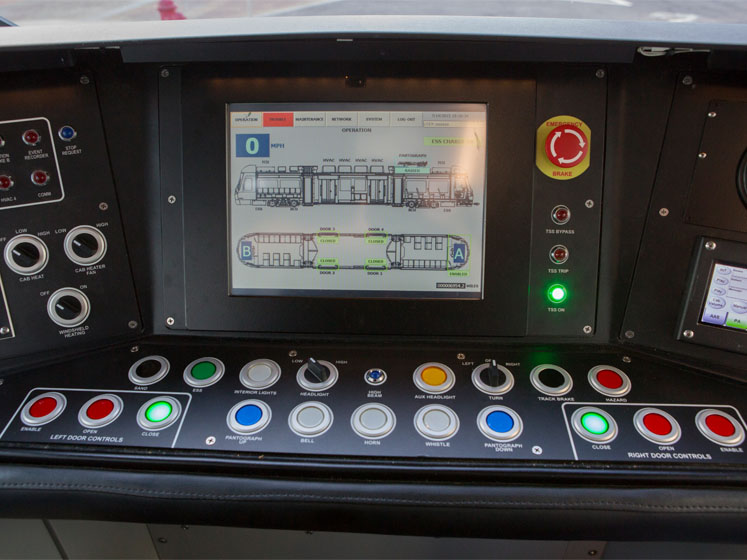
(531, 404)
(29, 169)
(64, 270)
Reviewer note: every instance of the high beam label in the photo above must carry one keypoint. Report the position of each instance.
(563, 147)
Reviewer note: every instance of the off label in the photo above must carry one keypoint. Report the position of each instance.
(563, 146)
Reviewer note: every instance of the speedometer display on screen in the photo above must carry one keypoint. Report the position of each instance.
(357, 200)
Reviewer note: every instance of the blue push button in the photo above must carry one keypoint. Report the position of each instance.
(67, 132)
(248, 415)
(500, 422)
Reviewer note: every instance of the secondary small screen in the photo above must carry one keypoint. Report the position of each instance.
(357, 199)
(726, 303)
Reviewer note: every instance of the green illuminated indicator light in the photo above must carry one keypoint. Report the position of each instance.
(595, 423)
(203, 370)
(158, 411)
(557, 293)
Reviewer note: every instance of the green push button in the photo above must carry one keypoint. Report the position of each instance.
(595, 423)
(158, 411)
(203, 370)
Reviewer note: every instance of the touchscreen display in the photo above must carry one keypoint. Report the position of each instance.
(726, 303)
(357, 199)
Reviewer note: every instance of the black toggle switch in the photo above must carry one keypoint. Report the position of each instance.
(316, 372)
(492, 376)
(68, 308)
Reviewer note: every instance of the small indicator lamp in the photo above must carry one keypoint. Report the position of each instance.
(557, 293)
(594, 423)
(158, 412)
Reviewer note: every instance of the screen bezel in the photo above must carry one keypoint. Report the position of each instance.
(192, 107)
(708, 252)
(433, 293)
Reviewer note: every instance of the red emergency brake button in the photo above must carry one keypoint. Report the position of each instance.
(566, 146)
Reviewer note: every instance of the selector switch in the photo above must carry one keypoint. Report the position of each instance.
(316, 372)
(26, 254)
(317, 375)
(85, 245)
(492, 379)
(68, 307)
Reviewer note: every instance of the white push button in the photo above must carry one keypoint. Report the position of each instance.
(259, 374)
(373, 421)
(436, 422)
(310, 419)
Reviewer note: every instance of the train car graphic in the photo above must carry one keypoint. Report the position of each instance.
(413, 186)
(354, 251)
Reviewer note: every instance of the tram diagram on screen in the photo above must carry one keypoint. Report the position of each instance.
(369, 200)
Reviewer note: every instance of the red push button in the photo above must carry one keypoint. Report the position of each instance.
(609, 381)
(657, 424)
(43, 407)
(6, 181)
(100, 409)
(566, 146)
(720, 425)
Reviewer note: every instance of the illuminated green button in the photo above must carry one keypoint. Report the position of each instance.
(557, 293)
(158, 411)
(595, 423)
(203, 370)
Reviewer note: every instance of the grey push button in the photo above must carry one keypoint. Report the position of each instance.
(436, 422)
(310, 419)
(260, 374)
(373, 421)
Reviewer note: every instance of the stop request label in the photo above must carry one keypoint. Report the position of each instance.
(563, 146)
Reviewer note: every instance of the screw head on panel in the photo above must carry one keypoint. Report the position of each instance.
(135, 349)
(4, 330)
(601, 73)
(687, 81)
(210, 440)
(589, 204)
(103, 206)
(710, 245)
(626, 359)
(164, 73)
(293, 353)
(461, 356)
(712, 114)
(702, 155)
(171, 199)
(664, 212)
(588, 329)
(629, 334)
(132, 324)
(688, 334)
(170, 321)
(85, 80)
